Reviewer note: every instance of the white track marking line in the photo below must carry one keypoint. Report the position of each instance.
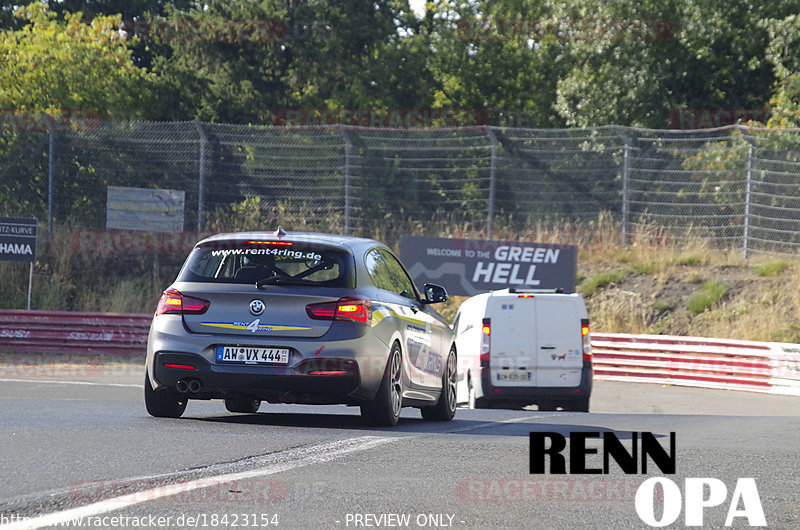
(223, 465)
(271, 468)
(294, 458)
(287, 460)
(54, 382)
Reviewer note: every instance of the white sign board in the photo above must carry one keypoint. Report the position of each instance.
(144, 209)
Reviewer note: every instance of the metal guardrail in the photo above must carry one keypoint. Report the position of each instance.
(69, 332)
(767, 367)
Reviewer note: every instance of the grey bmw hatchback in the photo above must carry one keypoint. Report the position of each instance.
(300, 318)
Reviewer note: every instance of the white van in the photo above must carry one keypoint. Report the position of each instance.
(524, 347)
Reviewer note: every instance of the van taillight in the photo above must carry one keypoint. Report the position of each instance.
(486, 334)
(350, 308)
(587, 340)
(172, 302)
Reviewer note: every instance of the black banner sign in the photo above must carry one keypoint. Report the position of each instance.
(471, 266)
(17, 239)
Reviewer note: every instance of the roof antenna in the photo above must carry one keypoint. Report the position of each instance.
(280, 232)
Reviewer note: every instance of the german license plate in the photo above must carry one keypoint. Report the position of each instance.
(249, 355)
(514, 376)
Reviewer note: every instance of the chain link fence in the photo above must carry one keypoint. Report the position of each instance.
(734, 186)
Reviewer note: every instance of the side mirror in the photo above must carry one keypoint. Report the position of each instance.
(435, 294)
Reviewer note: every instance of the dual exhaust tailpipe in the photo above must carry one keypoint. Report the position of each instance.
(188, 386)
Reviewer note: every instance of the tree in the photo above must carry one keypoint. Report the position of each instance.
(709, 54)
(490, 57)
(784, 39)
(63, 66)
(271, 56)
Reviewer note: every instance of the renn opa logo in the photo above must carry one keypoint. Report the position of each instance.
(698, 493)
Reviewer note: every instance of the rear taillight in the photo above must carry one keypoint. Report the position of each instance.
(486, 337)
(350, 308)
(172, 302)
(180, 366)
(587, 339)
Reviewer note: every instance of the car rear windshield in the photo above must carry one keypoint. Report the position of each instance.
(278, 262)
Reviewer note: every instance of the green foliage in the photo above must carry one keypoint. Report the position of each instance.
(64, 66)
(524, 62)
(689, 260)
(772, 268)
(312, 55)
(697, 278)
(663, 306)
(648, 268)
(707, 54)
(591, 285)
(709, 294)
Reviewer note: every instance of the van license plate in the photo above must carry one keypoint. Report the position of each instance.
(252, 355)
(514, 376)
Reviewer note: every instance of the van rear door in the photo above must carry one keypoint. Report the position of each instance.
(559, 345)
(513, 360)
(535, 340)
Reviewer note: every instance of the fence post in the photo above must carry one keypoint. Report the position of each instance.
(51, 161)
(201, 184)
(492, 181)
(348, 153)
(625, 176)
(748, 180)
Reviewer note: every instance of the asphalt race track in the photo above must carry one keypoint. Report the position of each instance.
(74, 449)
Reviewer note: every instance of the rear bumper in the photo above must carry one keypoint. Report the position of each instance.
(361, 352)
(531, 395)
(276, 384)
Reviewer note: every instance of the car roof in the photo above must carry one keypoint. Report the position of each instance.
(304, 237)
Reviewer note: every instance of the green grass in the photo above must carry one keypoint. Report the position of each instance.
(709, 294)
(772, 268)
(696, 279)
(588, 287)
(689, 260)
(662, 306)
(646, 268)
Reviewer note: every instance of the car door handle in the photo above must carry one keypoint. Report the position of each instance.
(548, 347)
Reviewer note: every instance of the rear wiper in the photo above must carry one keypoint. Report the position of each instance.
(279, 280)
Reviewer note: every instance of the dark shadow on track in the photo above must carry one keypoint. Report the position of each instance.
(406, 425)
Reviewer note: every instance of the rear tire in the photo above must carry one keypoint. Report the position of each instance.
(243, 405)
(164, 403)
(445, 408)
(385, 409)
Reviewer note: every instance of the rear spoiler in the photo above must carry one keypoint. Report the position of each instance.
(522, 290)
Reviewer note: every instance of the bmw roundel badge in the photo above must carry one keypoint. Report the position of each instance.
(257, 307)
